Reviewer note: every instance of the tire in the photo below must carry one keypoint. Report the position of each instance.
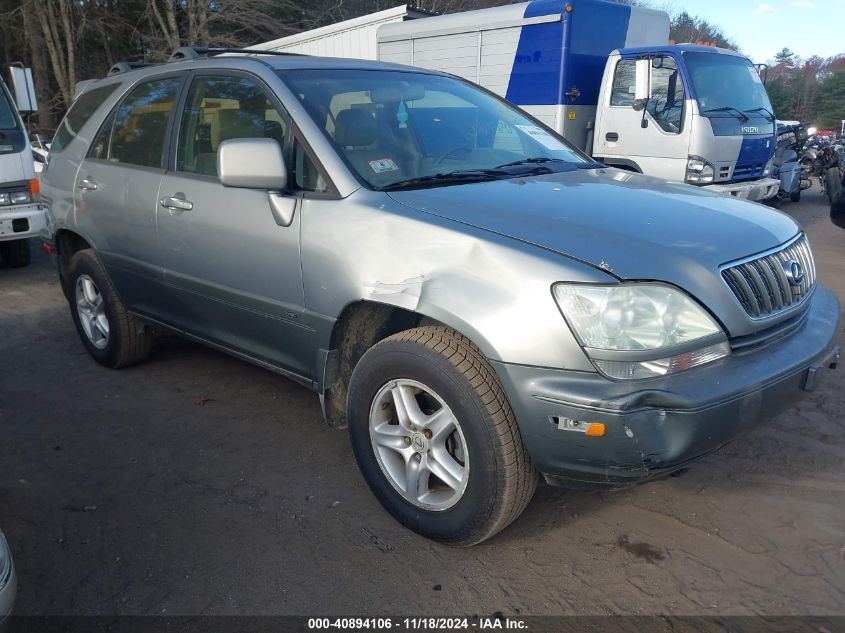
(795, 196)
(496, 470)
(112, 336)
(15, 253)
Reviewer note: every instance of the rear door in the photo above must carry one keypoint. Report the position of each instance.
(116, 191)
(233, 271)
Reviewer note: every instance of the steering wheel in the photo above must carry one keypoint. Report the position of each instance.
(452, 150)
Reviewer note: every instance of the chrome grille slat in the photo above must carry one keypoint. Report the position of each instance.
(762, 284)
(778, 298)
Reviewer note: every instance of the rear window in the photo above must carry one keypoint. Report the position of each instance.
(8, 118)
(79, 113)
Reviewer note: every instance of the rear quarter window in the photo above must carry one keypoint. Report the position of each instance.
(78, 115)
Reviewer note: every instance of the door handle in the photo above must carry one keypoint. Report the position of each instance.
(87, 184)
(176, 203)
(612, 137)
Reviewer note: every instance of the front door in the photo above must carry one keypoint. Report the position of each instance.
(660, 148)
(233, 271)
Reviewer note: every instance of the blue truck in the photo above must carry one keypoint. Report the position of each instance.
(701, 115)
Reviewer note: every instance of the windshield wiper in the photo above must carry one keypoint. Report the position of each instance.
(739, 113)
(452, 177)
(545, 159)
(769, 114)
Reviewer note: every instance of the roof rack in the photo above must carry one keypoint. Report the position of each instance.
(185, 53)
(125, 67)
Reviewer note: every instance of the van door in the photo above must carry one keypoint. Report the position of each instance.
(660, 149)
(233, 271)
(116, 190)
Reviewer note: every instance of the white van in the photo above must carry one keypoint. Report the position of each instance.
(21, 214)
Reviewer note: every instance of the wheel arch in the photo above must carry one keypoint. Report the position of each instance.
(624, 164)
(361, 325)
(67, 243)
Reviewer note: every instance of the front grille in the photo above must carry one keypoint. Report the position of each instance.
(749, 171)
(775, 281)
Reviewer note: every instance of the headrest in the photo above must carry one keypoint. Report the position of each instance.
(355, 127)
(240, 124)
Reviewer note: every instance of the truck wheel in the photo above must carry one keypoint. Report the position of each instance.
(435, 437)
(795, 196)
(111, 335)
(15, 253)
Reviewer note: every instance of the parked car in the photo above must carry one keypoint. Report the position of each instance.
(8, 581)
(475, 315)
(40, 150)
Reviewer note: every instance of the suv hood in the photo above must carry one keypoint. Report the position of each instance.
(632, 226)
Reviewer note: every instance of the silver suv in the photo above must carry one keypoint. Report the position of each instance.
(475, 299)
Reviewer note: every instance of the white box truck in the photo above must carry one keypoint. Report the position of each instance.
(601, 74)
(21, 214)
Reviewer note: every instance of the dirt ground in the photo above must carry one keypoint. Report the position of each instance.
(198, 484)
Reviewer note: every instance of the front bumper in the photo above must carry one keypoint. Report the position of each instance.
(656, 426)
(753, 190)
(22, 221)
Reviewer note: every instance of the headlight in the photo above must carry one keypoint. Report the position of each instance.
(5, 562)
(699, 171)
(21, 197)
(4, 199)
(768, 168)
(636, 331)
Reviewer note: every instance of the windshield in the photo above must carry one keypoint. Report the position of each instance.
(725, 84)
(392, 127)
(8, 118)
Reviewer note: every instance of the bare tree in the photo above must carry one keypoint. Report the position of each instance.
(57, 21)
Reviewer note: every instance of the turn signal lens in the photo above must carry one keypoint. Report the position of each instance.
(596, 429)
(35, 189)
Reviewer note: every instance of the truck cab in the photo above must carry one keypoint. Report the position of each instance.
(21, 214)
(704, 118)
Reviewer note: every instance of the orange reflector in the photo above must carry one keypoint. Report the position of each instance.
(596, 429)
(34, 187)
(569, 8)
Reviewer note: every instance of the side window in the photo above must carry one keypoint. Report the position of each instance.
(81, 110)
(306, 174)
(624, 83)
(667, 95)
(140, 123)
(219, 109)
(100, 147)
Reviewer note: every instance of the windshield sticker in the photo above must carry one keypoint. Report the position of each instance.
(382, 165)
(542, 137)
(754, 74)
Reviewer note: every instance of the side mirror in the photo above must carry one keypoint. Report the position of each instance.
(252, 163)
(642, 83)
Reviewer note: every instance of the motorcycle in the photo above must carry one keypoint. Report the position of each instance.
(788, 170)
(786, 166)
(835, 186)
(817, 159)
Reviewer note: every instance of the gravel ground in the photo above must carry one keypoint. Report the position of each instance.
(198, 484)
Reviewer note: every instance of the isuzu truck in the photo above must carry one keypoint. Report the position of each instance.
(21, 215)
(601, 74)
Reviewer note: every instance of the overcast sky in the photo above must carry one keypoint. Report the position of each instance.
(761, 29)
